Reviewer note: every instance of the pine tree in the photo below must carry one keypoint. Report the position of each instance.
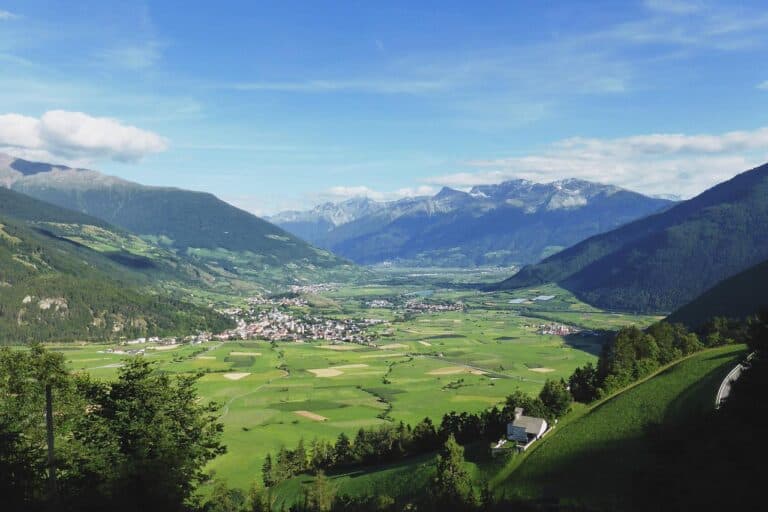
(321, 494)
(267, 472)
(258, 499)
(452, 487)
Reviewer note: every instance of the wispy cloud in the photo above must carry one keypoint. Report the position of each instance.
(763, 86)
(691, 25)
(6, 15)
(132, 56)
(673, 6)
(373, 85)
(656, 163)
(75, 136)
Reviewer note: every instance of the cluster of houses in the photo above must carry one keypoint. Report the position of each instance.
(314, 288)
(276, 325)
(193, 339)
(558, 329)
(417, 306)
(281, 301)
(380, 304)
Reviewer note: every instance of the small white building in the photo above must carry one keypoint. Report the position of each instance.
(524, 430)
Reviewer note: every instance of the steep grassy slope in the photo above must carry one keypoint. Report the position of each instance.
(593, 457)
(663, 261)
(736, 297)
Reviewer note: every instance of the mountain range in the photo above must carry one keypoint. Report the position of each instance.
(237, 249)
(513, 222)
(661, 262)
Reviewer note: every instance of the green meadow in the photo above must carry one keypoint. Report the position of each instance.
(424, 365)
(591, 459)
(582, 462)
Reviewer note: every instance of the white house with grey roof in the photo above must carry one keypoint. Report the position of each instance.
(524, 430)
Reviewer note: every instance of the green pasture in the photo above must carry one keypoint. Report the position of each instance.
(591, 458)
(423, 365)
(588, 459)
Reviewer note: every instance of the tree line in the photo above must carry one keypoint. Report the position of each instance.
(390, 442)
(634, 353)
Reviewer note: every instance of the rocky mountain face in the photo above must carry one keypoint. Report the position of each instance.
(514, 222)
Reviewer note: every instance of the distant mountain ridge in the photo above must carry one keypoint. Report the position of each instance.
(196, 225)
(663, 261)
(513, 222)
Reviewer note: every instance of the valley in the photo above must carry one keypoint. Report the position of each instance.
(383, 256)
(418, 363)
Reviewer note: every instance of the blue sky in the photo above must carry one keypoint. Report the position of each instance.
(275, 105)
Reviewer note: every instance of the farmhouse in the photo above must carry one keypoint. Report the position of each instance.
(524, 430)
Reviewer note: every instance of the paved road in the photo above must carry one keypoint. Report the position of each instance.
(724, 391)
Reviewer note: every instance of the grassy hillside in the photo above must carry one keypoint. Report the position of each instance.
(666, 260)
(593, 456)
(736, 297)
(590, 459)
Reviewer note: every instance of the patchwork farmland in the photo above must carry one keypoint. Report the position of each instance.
(424, 365)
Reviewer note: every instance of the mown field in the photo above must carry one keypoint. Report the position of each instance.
(425, 364)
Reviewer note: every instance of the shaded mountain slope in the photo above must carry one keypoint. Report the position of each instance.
(665, 260)
(737, 297)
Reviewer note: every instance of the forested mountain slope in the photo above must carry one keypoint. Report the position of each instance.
(53, 289)
(661, 262)
(737, 297)
(197, 225)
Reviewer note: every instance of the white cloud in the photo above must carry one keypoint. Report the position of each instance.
(668, 143)
(5, 15)
(763, 86)
(678, 164)
(75, 136)
(341, 192)
(422, 190)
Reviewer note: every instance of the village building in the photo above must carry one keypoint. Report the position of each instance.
(524, 430)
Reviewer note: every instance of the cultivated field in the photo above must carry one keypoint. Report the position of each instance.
(425, 364)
